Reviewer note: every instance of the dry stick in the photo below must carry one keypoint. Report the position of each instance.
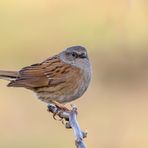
(71, 122)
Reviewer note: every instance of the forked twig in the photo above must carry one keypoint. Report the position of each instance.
(70, 117)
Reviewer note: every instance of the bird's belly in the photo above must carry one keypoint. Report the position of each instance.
(66, 92)
(62, 96)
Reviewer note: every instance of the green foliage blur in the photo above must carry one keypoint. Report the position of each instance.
(115, 107)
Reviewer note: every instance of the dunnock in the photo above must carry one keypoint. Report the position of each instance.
(59, 79)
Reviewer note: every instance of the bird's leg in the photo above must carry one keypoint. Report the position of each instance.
(60, 106)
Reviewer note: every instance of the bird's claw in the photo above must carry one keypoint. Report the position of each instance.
(57, 113)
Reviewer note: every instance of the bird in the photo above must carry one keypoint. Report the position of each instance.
(58, 80)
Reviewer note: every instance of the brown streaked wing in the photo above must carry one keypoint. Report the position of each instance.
(51, 72)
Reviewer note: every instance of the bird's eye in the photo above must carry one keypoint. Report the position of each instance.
(75, 55)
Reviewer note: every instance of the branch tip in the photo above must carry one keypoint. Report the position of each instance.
(69, 119)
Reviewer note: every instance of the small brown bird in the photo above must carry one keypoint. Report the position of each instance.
(59, 79)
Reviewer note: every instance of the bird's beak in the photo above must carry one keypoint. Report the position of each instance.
(83, 55)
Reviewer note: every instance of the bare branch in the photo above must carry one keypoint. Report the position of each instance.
(70, 117)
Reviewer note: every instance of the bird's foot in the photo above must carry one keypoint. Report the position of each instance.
(60, 108)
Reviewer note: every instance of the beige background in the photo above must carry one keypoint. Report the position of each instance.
(115, 108)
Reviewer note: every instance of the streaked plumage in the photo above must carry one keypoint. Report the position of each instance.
(62, 78)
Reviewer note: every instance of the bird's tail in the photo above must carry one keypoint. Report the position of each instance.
(8, 75)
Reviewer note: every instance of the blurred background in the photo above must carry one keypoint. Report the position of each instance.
(114, 110)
